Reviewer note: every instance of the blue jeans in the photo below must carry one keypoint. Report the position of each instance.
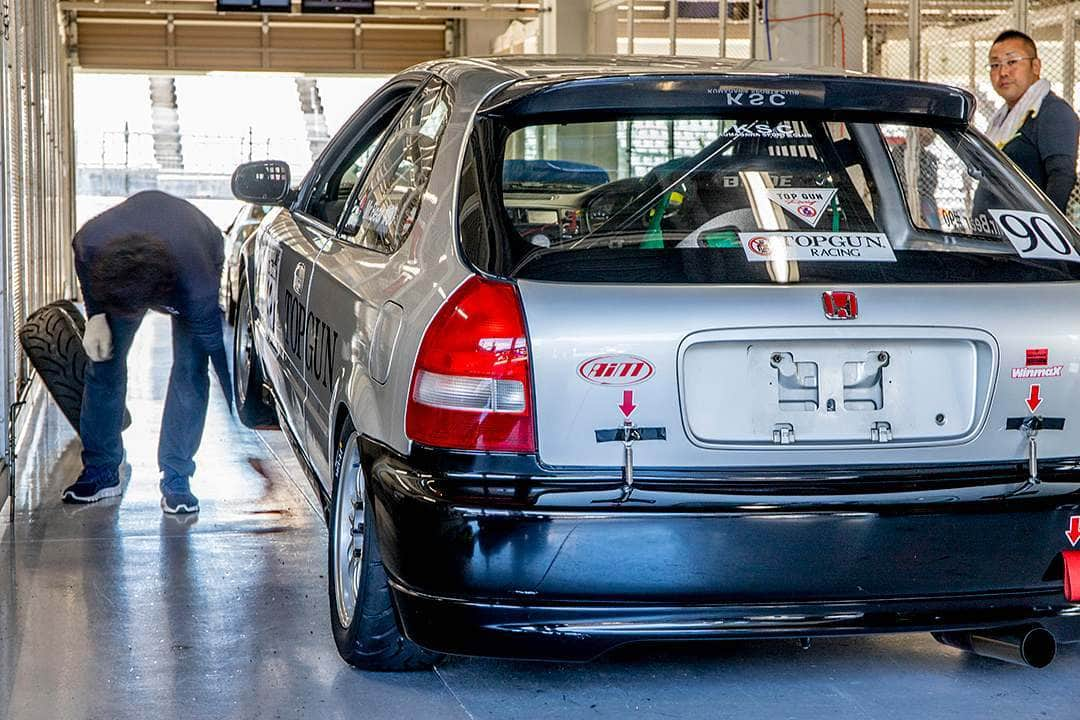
(185, 404)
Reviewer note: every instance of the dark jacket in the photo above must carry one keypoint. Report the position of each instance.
(1045, 148)
(196, 246)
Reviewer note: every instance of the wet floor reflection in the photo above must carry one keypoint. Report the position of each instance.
(116, 610)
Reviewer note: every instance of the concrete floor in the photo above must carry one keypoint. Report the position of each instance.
(116, 611)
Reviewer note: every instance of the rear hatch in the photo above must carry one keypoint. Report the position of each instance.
(735, 388)
(767, 286)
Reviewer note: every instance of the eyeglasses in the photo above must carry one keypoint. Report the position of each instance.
(1008, 63)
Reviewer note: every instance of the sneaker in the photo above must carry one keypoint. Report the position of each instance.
(94, 483)
(176, 497)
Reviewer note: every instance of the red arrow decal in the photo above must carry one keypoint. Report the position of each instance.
(1034, 401)
(1073, 533)
(627, 405)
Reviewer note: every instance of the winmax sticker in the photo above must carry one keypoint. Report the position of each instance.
(807, 204)
(817, 246)
(1037, 366)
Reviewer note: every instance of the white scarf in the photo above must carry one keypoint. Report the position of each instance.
(1006, 123)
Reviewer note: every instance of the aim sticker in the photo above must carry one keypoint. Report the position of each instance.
(807, 204)
(615, 370)
(838, 246)
(1037, 365)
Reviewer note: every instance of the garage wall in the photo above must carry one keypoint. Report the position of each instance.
(117, 41)
(36, 191)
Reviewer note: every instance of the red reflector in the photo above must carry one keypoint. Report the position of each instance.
(1072, 574)
(472, 387)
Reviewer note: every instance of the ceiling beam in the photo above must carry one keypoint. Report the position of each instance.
(389, 9)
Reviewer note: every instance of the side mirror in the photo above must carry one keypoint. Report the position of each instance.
(264, 182)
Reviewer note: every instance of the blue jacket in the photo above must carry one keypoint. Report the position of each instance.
(195, 243)
(196, 246)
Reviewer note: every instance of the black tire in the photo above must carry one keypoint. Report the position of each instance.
(74, 312)
(370, 637)
(249, 392)
(52, 340)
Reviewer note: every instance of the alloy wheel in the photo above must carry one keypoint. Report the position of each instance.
(349, 526)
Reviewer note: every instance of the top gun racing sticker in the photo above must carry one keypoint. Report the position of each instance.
(835, 246)
(807, 204)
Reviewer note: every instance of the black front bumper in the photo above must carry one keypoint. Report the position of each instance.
(517, 560)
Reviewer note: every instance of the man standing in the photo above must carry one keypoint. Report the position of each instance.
(1036, 128)
(151, 252)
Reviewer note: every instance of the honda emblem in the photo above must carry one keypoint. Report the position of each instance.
(840, 305)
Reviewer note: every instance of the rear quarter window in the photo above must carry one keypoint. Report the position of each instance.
(385, 208)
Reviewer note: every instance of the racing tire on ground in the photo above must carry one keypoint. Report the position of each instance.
(248, 383)
(74, 312)
(52, 340)
(362, 612)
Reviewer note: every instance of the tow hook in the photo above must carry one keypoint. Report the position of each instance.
(628, 434)
(1030, 426)
(1031, 429)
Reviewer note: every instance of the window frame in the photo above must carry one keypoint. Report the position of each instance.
(414, 97)
(385, 105)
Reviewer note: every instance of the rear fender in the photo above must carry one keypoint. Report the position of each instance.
(352, 397)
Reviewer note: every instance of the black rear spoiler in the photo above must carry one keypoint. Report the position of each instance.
(840, 98)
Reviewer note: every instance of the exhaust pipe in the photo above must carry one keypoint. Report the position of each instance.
(1030, 645)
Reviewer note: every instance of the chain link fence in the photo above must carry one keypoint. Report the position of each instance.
(950, 43)
(209, 154)
(942, 41)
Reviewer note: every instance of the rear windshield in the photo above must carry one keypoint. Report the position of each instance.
(753, 200)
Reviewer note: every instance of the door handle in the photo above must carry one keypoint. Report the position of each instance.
(298, 278)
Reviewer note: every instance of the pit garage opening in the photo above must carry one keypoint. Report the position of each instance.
(521, 434)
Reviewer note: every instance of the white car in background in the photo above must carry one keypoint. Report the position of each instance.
(240, 229)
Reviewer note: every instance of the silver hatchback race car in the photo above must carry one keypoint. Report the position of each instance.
(582, 352)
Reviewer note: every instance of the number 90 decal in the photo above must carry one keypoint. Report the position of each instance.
(1035, 235)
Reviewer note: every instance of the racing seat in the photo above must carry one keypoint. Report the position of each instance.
(720, 231)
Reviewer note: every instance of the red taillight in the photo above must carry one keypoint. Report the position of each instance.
(471, 387)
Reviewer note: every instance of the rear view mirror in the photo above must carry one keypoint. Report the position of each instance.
(264, 182)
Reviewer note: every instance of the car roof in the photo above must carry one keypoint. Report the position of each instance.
(568, 67)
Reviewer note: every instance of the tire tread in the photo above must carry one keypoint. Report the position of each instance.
(52, 340)
(374, 641)
(254, 411)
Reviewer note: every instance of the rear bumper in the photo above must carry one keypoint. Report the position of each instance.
(578, 632)
(549, 566)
